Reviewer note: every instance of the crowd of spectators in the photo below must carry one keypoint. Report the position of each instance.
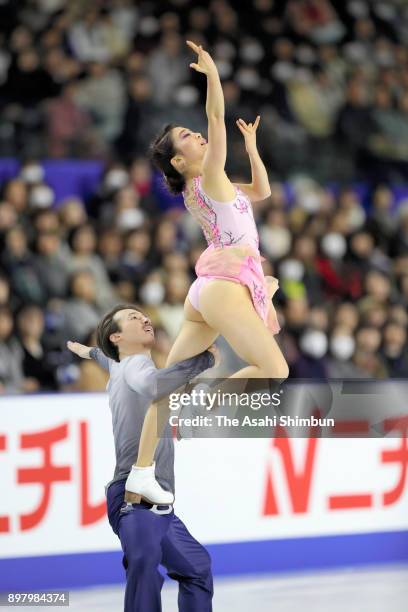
(96, 79)
(342, 267)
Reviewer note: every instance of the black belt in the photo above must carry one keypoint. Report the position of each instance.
(144, 503)
(160, 508)
(156, 508)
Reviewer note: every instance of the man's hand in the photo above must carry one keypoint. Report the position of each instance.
(216, 354)
(79, 349)
(205, 62)
(248, 130)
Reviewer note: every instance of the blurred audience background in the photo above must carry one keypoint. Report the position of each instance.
(96, 81)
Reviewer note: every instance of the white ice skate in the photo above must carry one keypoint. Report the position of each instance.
(142, 480)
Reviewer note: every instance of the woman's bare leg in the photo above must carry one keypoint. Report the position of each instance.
(228, 308)
(149, 438)
(195, 336)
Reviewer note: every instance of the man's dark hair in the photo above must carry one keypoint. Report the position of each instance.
(109, 326)
(161, 152)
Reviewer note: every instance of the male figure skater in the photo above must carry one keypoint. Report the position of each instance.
(149, 534)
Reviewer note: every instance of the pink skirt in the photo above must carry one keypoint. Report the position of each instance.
(241, 264)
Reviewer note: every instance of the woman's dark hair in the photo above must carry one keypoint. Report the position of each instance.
(161, 152)
(109, 326)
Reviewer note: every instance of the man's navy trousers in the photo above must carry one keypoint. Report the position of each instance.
(150, 539)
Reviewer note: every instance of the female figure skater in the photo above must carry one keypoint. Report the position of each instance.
(230, 296)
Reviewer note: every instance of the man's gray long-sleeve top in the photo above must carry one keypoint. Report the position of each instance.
(134, 383)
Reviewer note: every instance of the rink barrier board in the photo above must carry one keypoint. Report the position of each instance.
(256, 557)
(272, 529)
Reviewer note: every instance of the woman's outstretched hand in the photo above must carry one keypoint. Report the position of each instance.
(205, 62)
(248, 130)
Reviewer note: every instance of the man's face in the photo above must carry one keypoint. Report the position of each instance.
(135, 327)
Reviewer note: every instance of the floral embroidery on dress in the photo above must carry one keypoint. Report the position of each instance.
(259, 295)
(241, 204)
(199, 206)
(231, 239)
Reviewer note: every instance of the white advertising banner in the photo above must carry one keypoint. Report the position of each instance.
(57, 453)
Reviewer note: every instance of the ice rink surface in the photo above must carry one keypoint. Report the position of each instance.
(355, 590)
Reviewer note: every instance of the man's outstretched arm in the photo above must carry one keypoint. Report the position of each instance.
(90, 352)
(146, 378)
(157, 384)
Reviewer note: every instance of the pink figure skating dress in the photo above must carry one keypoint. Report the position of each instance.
(233, 249)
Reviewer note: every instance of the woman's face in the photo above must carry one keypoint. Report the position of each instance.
(190, 148)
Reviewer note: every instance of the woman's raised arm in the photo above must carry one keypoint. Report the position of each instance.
(259, 188)
(215, 180)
